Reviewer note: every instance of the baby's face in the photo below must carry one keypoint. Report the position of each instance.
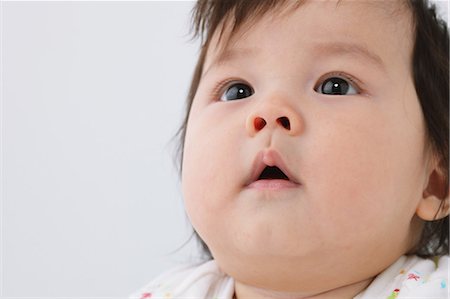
(326, 93)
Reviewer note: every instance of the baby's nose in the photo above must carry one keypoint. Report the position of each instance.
(274, 117)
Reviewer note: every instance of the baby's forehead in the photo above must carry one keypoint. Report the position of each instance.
(395, 16)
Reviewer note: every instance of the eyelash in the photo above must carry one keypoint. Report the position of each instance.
(220, 86)
(355, 82)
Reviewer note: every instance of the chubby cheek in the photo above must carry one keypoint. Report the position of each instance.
(364, 179)
(344, 182)
(210, 152)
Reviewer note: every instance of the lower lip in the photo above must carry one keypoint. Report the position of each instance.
(273, 184)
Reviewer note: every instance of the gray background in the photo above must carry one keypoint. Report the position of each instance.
(92, 93)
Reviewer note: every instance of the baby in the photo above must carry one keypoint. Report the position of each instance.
(315, 152)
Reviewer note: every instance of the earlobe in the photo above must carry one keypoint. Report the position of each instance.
(433, 208)
(434, 203)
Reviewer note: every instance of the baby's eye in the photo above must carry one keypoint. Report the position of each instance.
(237, 91)
(336, 86)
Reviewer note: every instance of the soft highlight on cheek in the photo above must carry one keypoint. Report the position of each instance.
(363, 168)
(209, 187)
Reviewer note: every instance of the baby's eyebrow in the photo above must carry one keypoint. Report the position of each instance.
(348, 48)
(336, 48)
(230, 54)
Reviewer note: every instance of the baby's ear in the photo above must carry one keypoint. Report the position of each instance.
(434, 203)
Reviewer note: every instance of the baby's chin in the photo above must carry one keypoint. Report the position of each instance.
(290, 254)
(307, 274)
(300, 275)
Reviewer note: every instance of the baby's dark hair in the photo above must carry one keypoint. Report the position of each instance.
(429, 67)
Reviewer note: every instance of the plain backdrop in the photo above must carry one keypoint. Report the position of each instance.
(92, 93)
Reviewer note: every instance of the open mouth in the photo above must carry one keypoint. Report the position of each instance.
(273, 178)
(272, 173)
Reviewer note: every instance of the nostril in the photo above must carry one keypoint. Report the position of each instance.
(259, 123)
(284, 121)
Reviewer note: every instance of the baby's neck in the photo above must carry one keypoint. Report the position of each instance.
(243, 291)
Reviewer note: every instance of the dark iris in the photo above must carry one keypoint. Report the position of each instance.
(335, 85)
(236, 92)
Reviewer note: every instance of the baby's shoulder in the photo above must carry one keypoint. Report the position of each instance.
(411, 277)
(200, 280)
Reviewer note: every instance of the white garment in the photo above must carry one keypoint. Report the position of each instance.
(408, 277)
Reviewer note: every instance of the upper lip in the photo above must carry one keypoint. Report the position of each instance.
(269, 157)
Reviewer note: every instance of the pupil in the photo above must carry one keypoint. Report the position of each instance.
(335, 86)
